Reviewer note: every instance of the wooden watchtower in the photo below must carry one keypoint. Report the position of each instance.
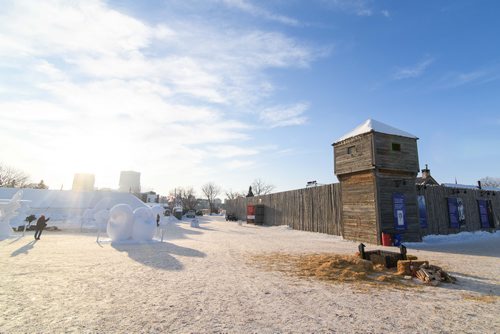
(377, 165)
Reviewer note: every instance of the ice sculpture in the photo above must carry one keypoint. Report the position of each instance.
(8, 210)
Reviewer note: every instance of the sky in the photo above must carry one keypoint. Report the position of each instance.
(227, 91)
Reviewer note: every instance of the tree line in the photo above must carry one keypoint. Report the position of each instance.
(186, 196)
(15, 178)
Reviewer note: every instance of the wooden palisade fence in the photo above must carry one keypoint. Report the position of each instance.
(438, 221)
(314, 209)
(318, 209)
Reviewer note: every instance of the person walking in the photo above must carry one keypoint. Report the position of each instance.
(40, 225)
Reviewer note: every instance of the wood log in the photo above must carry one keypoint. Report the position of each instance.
(410, 267)
(427, 276)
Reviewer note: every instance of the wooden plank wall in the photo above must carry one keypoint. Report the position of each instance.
(359, 160)
(316, 209)
(386, 158)
(388, 184)
(437, 209)
(359, 208)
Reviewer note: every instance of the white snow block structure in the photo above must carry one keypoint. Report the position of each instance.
(120, 223)
(144, 227)
(8, 210)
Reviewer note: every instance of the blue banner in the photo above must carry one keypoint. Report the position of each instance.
(422, 211)
(398, 201)
(453, 212)
(485, 215)
(461, 212)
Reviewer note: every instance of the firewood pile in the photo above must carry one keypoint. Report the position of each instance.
(407, 265)
(410, 267)
(433, 275)
(422, 270)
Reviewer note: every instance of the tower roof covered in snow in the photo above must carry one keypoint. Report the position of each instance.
(371, 125)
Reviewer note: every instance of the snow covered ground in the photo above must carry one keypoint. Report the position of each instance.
(202, 280)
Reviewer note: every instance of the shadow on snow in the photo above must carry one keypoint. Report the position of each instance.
(157, 254)
(24, 249)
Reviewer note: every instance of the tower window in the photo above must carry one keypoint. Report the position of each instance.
(396, 147)
(351, 149)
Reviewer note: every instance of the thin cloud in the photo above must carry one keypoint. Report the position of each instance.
(414, 71)
(251, 9)
(281, 116)
(231, 151)
(239, 164)
(476, 77)
(356, 7)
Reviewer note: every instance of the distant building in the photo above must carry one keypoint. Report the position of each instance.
(217, 203)
(83, 182)
(202, 204)
(426, 179)
(130, 182)
(150, 197)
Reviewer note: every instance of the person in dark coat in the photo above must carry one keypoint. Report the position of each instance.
(158, 220)
(40, 225)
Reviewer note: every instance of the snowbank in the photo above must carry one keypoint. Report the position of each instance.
(462, 237)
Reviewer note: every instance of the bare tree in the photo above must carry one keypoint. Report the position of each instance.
(39, 185)
(490, 181)
(174, 198)
(188, 198)
(211, 190)
(230, 194)
(259, 187)
(12, 177)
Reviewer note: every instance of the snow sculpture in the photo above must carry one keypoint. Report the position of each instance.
(86, 218)
(161, 229)
(144, 224)
(194, 222)
(101, 217)
(8, 210)
(120, 223)
(157, 210)
(125, 224)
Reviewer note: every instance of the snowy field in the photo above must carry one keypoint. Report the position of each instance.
(203, 280)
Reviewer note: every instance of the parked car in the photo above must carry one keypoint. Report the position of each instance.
(178, 212)
(191, 214)
(231, 217)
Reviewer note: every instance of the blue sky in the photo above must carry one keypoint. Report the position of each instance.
(228, 91)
